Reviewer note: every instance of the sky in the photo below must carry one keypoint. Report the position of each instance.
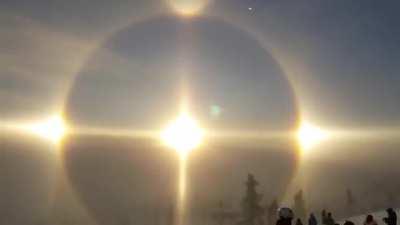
(264, 64)
(344, 51)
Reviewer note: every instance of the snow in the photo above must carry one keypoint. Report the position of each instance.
(378, 216)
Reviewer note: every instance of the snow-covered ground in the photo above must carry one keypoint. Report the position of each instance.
(378, 216)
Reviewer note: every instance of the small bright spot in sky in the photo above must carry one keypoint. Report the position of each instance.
(310, 135)
(183, 134)
(250, 9)
(52, 129)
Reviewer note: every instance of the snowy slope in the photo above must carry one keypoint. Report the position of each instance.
(378, 216)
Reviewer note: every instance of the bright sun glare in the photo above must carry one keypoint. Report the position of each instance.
(188, 8)
(183, 134)
(310, 135)
(52, 129)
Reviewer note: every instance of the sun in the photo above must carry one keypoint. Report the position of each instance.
(183, 134)
(188, 8)
(310, 135)
(52, 129)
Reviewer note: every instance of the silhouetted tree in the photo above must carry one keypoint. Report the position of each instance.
(300, 206)
(252, 211)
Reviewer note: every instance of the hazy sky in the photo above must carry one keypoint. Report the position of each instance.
(261, 62)
(344, 52)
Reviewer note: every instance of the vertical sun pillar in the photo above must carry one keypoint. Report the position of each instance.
(183, 135)
(181, 201)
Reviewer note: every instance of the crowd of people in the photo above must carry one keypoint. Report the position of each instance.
(286, 217)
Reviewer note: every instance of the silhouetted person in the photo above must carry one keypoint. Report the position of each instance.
(392, 217)
(348, 222)
(298, 222)
(312, 220)
(370, 220)
(329, 219)
(285, 217)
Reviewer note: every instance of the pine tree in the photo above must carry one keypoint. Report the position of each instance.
(252, 211)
